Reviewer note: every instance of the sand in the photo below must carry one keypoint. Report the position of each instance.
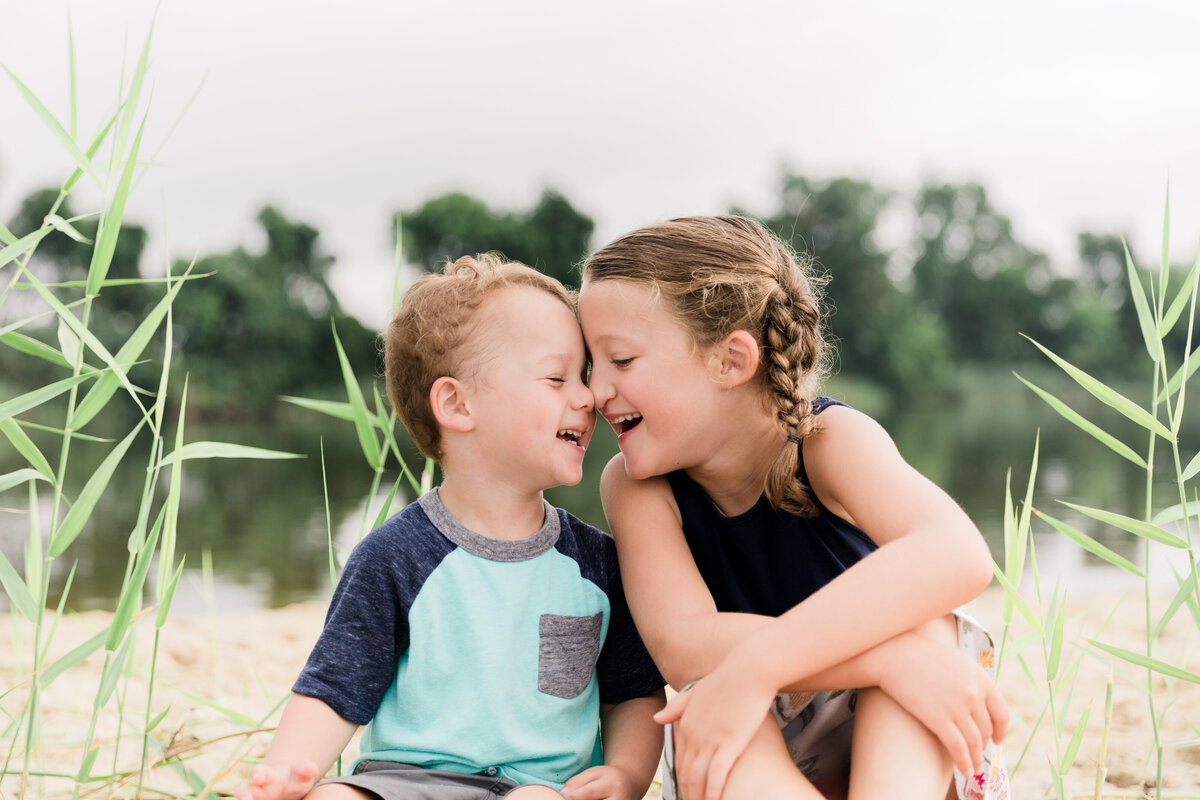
(221, 675)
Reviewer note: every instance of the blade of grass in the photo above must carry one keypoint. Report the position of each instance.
(1145, 317)
(11, 252)
(18, 593)
(1140, 660)
(387, 503)
(223, 450)
(36, 348)
(110, 223)
(131, 589)
(25, 446)
(1054, 623)
(75, 519)
(167, 559)
(19, 405)
(1019, 602)
(1068, 759)
(328, 407)
(1186, 587)
(1114, 444)
(76, 656)
(1091, 545)
(1108, 396)
(1147, 530)
(362, 423)
(64, 138)
(1181, 300)
(10, 479)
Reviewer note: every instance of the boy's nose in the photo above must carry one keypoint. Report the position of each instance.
(583, 398)
(601, 388)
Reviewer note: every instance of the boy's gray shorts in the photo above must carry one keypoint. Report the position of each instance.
(389, 780)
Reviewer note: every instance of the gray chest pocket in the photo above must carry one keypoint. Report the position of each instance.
(567, 651)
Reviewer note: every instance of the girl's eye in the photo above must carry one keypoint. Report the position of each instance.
(556, 379)
(621, 363)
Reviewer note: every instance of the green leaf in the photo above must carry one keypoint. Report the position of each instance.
(35, 398)
(164, 605)
(65, 226)
(97, 140)
(68, 342)
(1058, 614)
(112, 671)
(1114, 444)
(35, 347)
(167, 560)
(63, 137)
(158, 718)
(20, 247)
(85, 766)
(1068, 759)
(131, 351)
(75, 519)
(131, 590)
(1192, 468)
(1108, 396)
(10, 479)
(1145, 318)
(18, 592)
(237, 717)
(1186, 587)
(110, 223)
(1021, 604)
(1091, 545)
(76, 656)
(1146, 530)
(1184, 373)
(1146, 662)
(1181, 300)
(1176, 513)
(223, 450)
(26, 447)
(387, 504)
(327, 407)
(362, 423)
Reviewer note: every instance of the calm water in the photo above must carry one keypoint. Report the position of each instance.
(264, 522)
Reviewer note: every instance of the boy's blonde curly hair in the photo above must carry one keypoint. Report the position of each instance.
(726, 273)
(432, 334)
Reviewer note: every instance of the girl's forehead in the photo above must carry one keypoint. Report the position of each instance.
(621, 295)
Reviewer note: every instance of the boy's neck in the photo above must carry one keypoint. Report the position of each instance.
(492, 509)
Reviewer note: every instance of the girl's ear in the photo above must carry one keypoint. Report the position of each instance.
(734, 359)
(451, 406)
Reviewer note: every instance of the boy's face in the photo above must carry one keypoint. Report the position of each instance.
(535, 413)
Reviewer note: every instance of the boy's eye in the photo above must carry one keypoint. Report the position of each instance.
(622, 362)
(556, 379)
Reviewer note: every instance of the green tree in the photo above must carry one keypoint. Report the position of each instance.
(552, 236)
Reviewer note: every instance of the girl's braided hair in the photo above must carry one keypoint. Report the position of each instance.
(726, 273)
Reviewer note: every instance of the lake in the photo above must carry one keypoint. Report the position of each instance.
(255, 532)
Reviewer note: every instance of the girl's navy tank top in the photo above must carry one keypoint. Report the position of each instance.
(765, 561)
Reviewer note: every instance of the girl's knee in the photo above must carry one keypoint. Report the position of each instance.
(944, 629)
(533, 792)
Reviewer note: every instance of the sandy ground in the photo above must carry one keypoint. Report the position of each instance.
(220, 676)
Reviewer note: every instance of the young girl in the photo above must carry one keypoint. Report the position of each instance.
(745, 509)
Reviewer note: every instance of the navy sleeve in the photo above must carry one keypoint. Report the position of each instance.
(366, 630)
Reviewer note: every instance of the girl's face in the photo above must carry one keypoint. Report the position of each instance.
(649, 379)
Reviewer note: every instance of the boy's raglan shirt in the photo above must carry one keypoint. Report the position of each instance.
(465, 653)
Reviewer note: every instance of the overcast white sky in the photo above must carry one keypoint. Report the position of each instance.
(1074, 114)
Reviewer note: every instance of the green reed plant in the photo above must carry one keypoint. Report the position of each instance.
(1054, 671)
(89, 376)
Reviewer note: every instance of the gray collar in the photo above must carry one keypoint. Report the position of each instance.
(485, 546)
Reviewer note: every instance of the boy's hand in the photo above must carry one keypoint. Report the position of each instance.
(599, 783)
(952, 696)
(279, 783)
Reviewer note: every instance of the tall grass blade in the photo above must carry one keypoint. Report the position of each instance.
(135, 92)
(23, 403)
(1191, 469)
(1145, 317)
(1055, 622)
(1186, 587)
(1166, 234)
(362, 423)
(1147, 530)
(131, 590)
(71, 659)
(25, 446)
(18, 593)
(110, 223)
(328, 521)
(328, 407)
(10, 479)
(97, 140)
(78, 516)
(386, 508)
(108, 679)
(85, 767)
(1113, 443)
(1091, 545)
(1181, 300)
(164, 604)
(1021, 603)
(167, 558)
(1146, 662)
(35, 348)
(64, 138)
(222, 450)
(72, 84)
(1068, 759)
(1010, 543)
(69, 343)
(25, 244)
(1109, 397)
(1176, 513)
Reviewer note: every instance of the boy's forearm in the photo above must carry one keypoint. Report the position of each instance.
(632, 739)
(309, 730)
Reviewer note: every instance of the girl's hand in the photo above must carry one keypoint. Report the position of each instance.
(599, 783)
(279, 782)
(713, 721)
(951, 695)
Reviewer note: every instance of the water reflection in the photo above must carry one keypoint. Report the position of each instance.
(264, 522)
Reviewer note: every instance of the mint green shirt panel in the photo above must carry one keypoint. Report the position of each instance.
(468, 684)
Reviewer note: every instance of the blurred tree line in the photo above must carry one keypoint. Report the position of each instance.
(955, 293)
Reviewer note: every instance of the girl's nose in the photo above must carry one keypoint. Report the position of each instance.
(602, 388)
(583, 398)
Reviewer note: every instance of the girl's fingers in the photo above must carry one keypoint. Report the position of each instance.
(718, 772)
(673, 710)
(999, 713)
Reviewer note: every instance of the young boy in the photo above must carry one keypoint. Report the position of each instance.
(481, 633)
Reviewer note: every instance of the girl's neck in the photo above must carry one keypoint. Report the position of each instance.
(734, 474)
(492, 509)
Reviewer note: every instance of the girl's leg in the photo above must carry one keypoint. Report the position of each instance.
(891, 748)
(337, 791)
(765, 770)
(533, 792)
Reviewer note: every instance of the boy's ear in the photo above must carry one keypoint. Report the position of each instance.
(734, 360)
(451, 407)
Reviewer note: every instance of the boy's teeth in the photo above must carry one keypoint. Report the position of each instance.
(572, 434)
(626, 418)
